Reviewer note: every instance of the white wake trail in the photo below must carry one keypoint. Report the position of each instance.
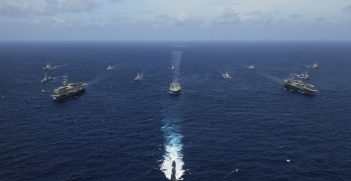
(172, 164)
(173, 152)
(176, 61)
(102, 76)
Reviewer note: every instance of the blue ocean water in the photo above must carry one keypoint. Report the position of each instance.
(246, 128)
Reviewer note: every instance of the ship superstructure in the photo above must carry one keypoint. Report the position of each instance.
(251, 67)
(226, 76)
(315, 65)
(175, 88)
(304, 76)
(109, 68)
(138, 77)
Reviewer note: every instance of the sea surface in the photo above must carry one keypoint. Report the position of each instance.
(247, 128)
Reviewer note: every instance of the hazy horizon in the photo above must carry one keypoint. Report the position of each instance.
(175, 20)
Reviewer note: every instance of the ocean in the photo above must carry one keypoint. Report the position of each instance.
(247, 128)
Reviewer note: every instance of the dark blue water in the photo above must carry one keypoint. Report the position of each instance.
(242, 129)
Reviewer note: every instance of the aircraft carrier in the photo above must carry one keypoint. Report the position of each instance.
(68, 90)
(299, 86)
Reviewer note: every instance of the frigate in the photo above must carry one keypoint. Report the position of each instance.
(226, 76)
(47, 79)
(251, 67)
(315, 65)
(48, 66)
(174, 173)
(109, 68)
(175, 88)
(304, 76)
(138, 77)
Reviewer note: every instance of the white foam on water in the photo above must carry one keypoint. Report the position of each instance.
(101, 76)
(59, 66)
(173, 152)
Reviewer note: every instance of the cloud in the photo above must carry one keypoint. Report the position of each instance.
(257, 17)
(348, 8)
(21, 7)
(44, 7)
(295, 16)
(229, 17)
(124, 20)
(325, 21)
(181, 19)
(77, 5)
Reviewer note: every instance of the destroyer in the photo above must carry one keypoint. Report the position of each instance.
(138, 77)
(226, 76)
(48, 66)
(175, 88)
(304, 76)
(299, 86)
(68, 90)
(315, 65)
(47, 79)
(174, 174)
(251, 67)
(109, 68)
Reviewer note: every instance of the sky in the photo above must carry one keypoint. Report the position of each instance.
(183, 20)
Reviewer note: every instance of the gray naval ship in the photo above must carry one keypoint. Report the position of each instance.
(47, 78)
(175, 89)
(299, 86)
(68, 90)
(173, 176)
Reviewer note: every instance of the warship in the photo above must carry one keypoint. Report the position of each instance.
(48, 66)
(304, 76)
(109, 68)
(47, 79)
(175, 88)
(68, 90)
(138, 77)
(299, 86)
(174, 176)
(315, 65)
(226, 76)
(251, 67)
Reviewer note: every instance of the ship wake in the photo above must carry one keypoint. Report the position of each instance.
(175, 61)
(172, 163)
(59, 66)
(101, 76)
(270, 77)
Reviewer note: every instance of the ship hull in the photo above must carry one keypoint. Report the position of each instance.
(175, 93)
(298, 90)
